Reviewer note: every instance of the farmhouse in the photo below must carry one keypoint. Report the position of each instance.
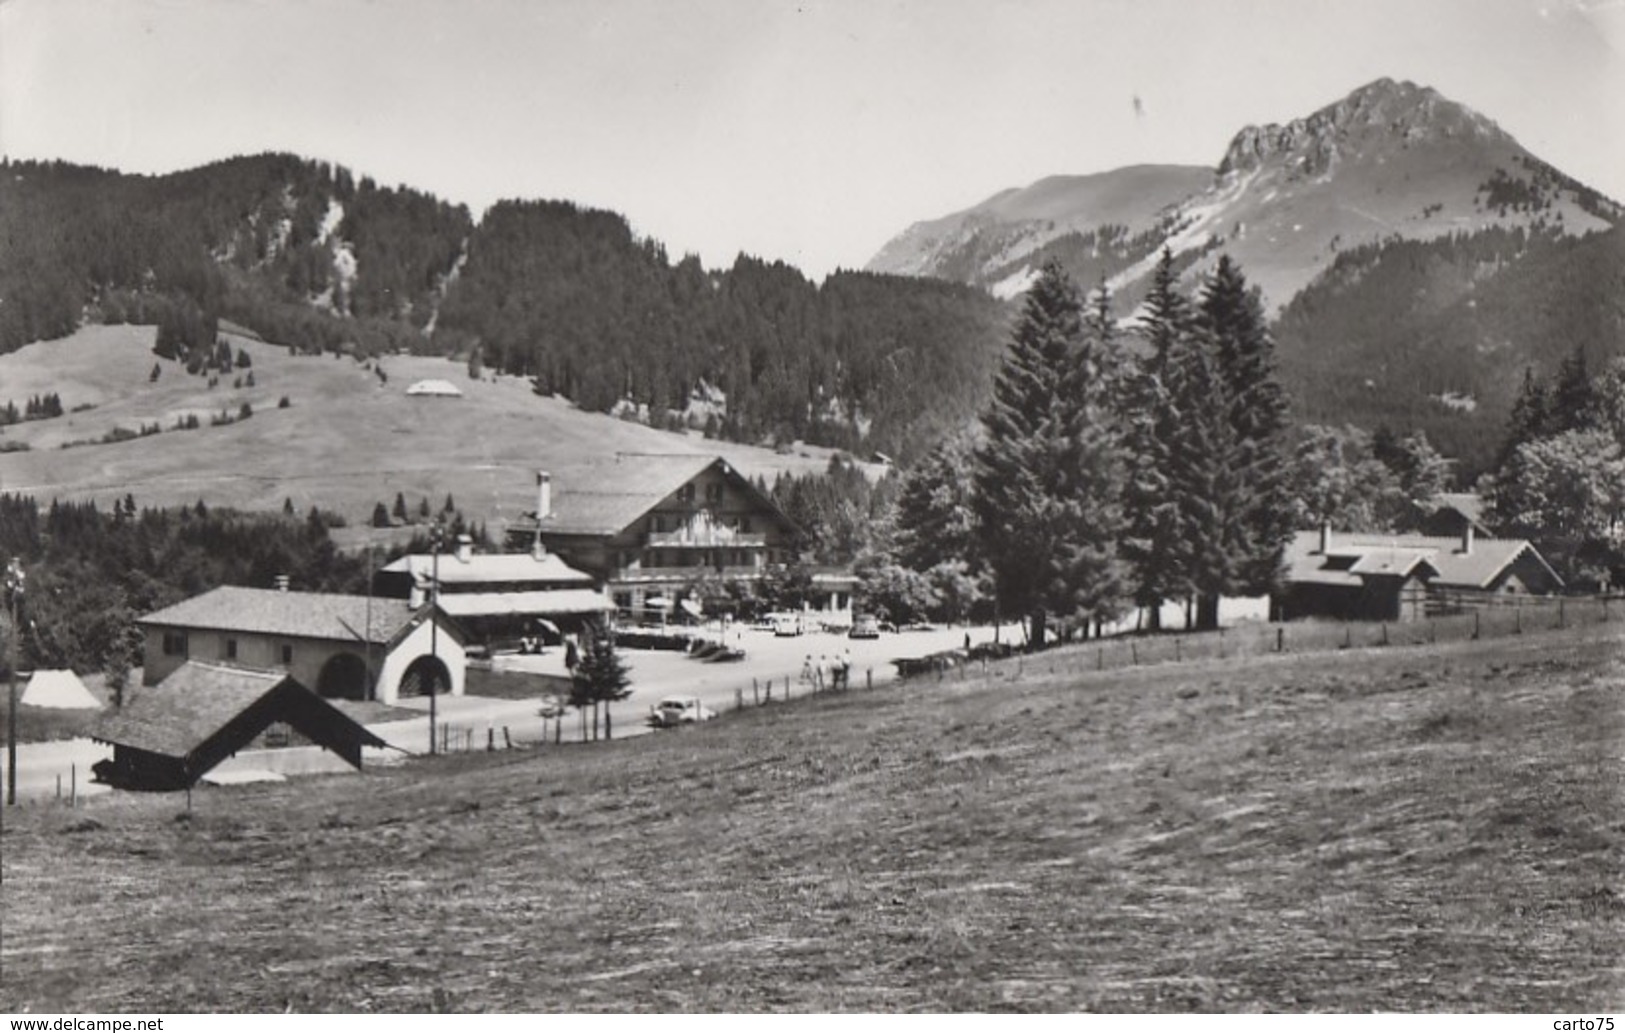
(498, 596)
(648, 527)
(347, 646)
(1404, 577)
(173, 733)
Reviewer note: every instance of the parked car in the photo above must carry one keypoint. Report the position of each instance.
(788, 624)
(679, 710)
(865, 625)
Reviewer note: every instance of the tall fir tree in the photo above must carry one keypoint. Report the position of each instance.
(1154, 540)
(1255, 408)
(1049, 472)
(1203, 476)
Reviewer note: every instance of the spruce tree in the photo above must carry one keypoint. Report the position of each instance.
(1255, 409)
(1202, 476)
(1049, 473)
(1154, 540)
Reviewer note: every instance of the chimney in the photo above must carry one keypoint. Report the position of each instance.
(544, 509)
(1325, 537)
(1466, 537)
(282, 582)
(465, 548)
(544, 495)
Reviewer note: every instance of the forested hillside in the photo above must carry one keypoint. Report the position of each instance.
(1435, 335)
(302, 253)
(572, 298)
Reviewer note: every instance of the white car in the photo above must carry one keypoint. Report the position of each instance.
(786, 625)
(679, 710)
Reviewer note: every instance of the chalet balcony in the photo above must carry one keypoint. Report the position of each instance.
(666, 575)
(713, 537)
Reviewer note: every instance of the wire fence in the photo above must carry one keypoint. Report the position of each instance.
(1474, 618)
(1464, 619)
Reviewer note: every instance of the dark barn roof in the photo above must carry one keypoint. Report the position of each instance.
(175, 732)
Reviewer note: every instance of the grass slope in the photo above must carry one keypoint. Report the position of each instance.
(1402, 829)
(347, 441)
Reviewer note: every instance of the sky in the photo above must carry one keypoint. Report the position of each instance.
(808, 131)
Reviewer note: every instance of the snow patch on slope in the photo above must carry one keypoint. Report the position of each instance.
(1015, 284)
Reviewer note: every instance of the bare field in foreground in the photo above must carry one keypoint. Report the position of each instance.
(1404, 829)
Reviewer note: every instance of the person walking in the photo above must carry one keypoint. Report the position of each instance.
(823, 671)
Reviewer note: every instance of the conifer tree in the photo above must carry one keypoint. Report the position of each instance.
(1154, 541)
(600, 676)
(1049, 474)
(1255, 410)
(1202, 476)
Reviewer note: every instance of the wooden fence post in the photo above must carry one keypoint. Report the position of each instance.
(1385, 633)
(490, 739)
(507, 740)
(1280, 640)
(1560, 622)
(739, 698)
(1134, 652)
(59, 785)
(869, 677)
(1179, 650)
(1100, 658)
(1475, 625)
(73, 786)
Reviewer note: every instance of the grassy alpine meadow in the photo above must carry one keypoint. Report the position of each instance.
(1405, 829)
(347, 439)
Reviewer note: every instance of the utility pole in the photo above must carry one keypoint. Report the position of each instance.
(434, 627)
(14, 596)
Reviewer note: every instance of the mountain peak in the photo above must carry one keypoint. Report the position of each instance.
(1382, 113)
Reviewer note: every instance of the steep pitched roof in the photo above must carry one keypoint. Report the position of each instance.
(181, 714)
(186, 708)
(606, 497)
(517, 568)
(264, 611)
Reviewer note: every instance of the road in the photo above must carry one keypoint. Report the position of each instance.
(655, 674)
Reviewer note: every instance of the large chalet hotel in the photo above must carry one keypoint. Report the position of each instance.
(647, 527)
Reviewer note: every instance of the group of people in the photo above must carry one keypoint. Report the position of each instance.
(827, 673)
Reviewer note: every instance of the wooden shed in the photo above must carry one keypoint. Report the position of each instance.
(175, 732)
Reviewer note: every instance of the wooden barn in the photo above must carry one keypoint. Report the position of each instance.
(173, 733)
(1402, 577)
